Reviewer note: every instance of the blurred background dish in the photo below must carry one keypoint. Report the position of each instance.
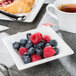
(16, 6)
(29, 16)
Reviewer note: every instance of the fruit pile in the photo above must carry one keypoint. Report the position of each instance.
(36, 47)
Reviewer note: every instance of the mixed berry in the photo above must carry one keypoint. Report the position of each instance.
(36, 47)
(5, 2)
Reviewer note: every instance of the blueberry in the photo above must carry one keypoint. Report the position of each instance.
(26, 59)
(26, 54)
(23, 42)
(48, 44)
(28, 36)
(35, 46)
(29, 45)
(40, 45)
(43, 41)
(56, 50)
(31, 51)
(16, 45)
(39, 51)
(22, 46)
(42, 56)
(53, 43)
(28, 41)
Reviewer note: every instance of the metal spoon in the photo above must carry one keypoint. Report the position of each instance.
(13, 17)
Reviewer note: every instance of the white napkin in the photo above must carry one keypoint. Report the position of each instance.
(2, 28)
(5, 57)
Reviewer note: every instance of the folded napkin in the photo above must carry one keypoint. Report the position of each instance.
(2, 28)
(5, 57)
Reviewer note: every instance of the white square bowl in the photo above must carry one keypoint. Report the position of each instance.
(64, 49)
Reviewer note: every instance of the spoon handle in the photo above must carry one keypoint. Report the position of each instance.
(13, 16)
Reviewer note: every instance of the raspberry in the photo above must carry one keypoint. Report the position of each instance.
(46, 38)
(6, 2)
(47, 24)
(35, 38)
(39, 34)
(0, 4)
(22, 50)
(35, 57)
(48, 52)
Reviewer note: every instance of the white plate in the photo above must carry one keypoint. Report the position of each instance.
(63, 47)
(29, 16)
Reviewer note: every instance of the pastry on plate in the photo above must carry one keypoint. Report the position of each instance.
(16, 6)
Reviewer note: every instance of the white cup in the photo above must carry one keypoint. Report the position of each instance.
(67, 21)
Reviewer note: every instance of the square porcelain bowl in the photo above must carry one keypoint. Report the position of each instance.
(63, 50)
